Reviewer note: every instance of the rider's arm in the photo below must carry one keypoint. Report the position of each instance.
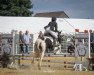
(47, 26)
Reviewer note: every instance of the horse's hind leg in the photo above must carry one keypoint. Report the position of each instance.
(33, 58)
(39, 67)
(40, 61)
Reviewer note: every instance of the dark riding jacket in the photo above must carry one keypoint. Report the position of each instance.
(52, 25)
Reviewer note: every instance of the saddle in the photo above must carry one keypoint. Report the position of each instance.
(48, 35)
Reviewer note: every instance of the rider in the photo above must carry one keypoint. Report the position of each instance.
(51, 28)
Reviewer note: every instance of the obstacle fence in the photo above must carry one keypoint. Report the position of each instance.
(59, 55)
(58, 64)
(50, 60)
(85, 40)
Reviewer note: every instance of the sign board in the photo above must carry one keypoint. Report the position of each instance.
(6, 43)
(82, 44)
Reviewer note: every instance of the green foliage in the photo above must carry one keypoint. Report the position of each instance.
(15, 7)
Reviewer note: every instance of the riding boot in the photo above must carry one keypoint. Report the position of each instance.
(54, 42)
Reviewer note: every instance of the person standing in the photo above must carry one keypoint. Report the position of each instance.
(21, 42)
(27, 40)
(92, 40)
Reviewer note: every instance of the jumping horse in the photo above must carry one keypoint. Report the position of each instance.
(43, 45)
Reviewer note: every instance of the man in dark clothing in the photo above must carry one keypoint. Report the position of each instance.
(52, 25)
(92, 40)
(71, 49)
(21, 42)
(51, 28)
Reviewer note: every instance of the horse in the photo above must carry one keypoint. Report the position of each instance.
(39, 49)
(50, 42)
(43, 45)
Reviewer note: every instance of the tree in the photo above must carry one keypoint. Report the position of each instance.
(15, 8)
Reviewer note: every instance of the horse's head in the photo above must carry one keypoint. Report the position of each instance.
(59, 32)
(60, 36)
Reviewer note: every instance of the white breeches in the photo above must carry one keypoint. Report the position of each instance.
(54, 34)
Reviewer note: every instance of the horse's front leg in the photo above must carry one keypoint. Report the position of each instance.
(40, 60)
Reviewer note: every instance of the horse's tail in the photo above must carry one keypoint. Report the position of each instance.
(39, 47)
(36, 49)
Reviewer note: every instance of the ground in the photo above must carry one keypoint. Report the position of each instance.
(43, 72)
(27, 68)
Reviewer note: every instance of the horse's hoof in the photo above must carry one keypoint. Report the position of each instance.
(39, 68)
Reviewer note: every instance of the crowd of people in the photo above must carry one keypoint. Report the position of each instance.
(24, 40)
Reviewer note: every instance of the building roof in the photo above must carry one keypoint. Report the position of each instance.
(58, 14)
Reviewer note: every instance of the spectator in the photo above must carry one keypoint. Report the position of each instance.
(92, 40)
(21, 42)
(71, 49)
(27, 38)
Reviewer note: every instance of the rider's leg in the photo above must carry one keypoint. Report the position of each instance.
(54, 36)
(55, 39)
(54, 42)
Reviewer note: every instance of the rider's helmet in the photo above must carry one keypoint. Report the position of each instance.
(53, 18)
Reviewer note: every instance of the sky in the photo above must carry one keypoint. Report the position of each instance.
(83, 9)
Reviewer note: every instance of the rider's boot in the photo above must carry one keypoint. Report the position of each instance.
(54, 43)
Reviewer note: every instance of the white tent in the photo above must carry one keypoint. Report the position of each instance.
(36, 24)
